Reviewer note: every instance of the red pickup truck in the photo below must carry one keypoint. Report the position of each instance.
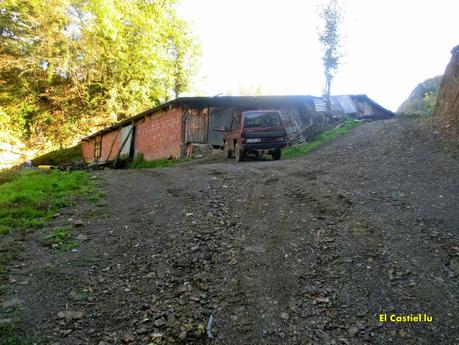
(255, 132)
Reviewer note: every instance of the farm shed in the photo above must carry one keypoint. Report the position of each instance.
(168, 130)
(359, 107)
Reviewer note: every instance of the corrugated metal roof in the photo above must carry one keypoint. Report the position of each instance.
(343, 104)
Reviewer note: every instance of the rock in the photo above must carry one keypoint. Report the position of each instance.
(66, 332)
(255, 249)
(70, 315)
(78, 222)
(322, 335)
(149, 275)
(285, 316)
(102, 343)
(127, 339)
(454, 265)
(5, 322)
(183, 335)
(142, 330)
(160, 322)
(322, 300)
(353, 330)
(402, 333)
(81, 238)
(12, 303)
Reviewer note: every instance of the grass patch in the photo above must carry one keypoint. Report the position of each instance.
(32, 197)
(13, 335)
(14, 332)
(413, 116)
(60, 239)
(327, 136)
(57, 157)
(140, 163)
(95, 197)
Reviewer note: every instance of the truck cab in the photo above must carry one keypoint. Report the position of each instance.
(255, 132)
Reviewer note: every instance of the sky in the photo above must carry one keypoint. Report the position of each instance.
(389, 46)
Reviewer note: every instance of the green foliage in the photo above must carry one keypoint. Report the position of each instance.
(325, 137)
(33, 196)
(422, 99)
(95, 197)
(70, 66)
(140, 163)
(13, 334)
(57, 157)
(60, 238)
(329, 36)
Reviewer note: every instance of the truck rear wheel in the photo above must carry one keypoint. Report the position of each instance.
(238, 153)
(276, 155)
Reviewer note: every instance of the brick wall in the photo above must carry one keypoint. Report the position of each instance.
(160, 135)
(87, 150)
(107, 140)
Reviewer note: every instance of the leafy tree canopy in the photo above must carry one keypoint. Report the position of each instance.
(68, 67)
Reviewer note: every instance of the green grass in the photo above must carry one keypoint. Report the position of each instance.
(413, 116)
(12, 335)
(325, 137)
(139, 163)
(60, 239)
(95, 197)
(57, 157)
(31, 197)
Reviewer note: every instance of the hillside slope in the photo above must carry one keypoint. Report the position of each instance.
(422, 99)
(447, 107)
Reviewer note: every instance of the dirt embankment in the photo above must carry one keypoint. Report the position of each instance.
(446, 118)
(302, 251)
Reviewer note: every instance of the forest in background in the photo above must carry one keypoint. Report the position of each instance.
(69, 67)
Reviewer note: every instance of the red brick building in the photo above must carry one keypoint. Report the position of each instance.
(167, 130)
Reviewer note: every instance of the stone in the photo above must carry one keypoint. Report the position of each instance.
(255, 249)
(81, 238)
(70, 315)
(322, 300)
(11, 303)
(5, 322)
(285, 316)
(127, 339)
(402, 333)
(353, 330)
(78, 222)
(183, 335)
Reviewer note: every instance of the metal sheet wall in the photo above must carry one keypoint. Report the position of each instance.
(124, 133)
(219, 118)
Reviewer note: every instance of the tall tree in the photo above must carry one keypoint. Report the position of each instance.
(330, 37)
(68, 67)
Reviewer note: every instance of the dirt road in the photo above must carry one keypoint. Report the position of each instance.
(302, 251)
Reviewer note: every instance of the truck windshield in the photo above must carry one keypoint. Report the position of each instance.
(262, 119)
